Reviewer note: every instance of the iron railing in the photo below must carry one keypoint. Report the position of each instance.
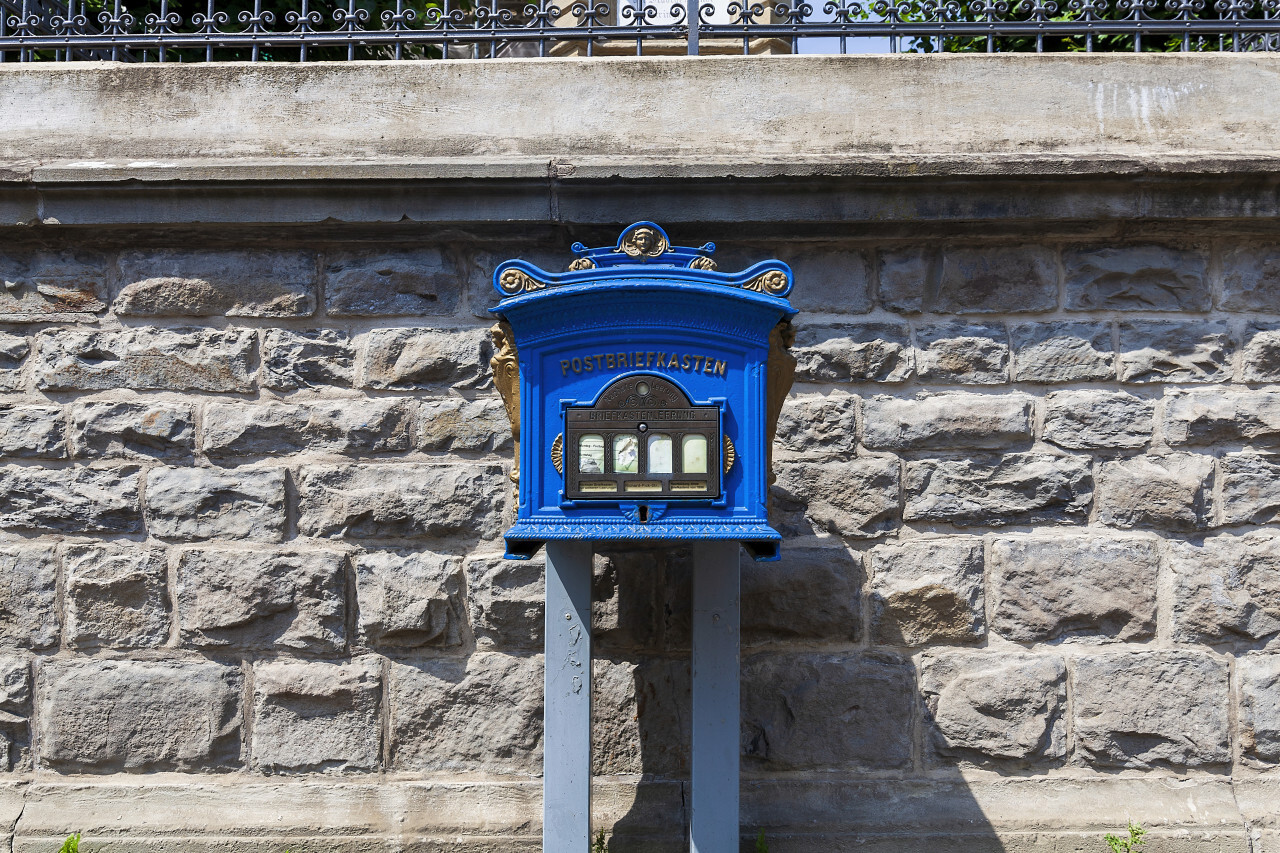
(196, 30)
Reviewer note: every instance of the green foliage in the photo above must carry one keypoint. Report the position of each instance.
(1136, 839)
(761, 845)
(72, 844)
(912, 11)
(599, 846)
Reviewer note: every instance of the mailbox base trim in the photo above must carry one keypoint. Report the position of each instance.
(526, 538)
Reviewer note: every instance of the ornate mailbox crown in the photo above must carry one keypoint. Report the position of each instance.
(643, 389)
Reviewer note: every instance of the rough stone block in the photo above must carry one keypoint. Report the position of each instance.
(1260, 706)
(28, 596)
(640, 717)
(32, 432)
(1227, 589)
(333, 426)
(1250, 488)
(641, 596)
(14, 350)
(50, 285)
(962, 354)
(1251, 278)
(482, 713)
(102, 716)
(456, 424)
(819, 426)
(857, 499)
(1019, 488)
(145, 359)
(315, 359)
(927, 591)
(208, 503)
(997, 279)
(1173, 351)
(478, 265)
(180, 283)
(259, 599)
(417, 359)
(1136, 278)
(15, 682)
(1260, 355)
(401, 501)
(1096, 420)
(1219, 417)
(1048, 587)
(70, 500)
(409, 283)
(1061, 351)
(116, 596)
(15, 711)
(1156, 491)
(994, 707)
(142, 430)
(956, 420)
(969, 280)
(810, 594)
(906, 276)
(506, 602)
(409, 599)
(1151, 709)
(837, 281)
(860, 352)
(311, 717)
(820, 711)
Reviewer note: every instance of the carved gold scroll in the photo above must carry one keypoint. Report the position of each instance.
(506, 376)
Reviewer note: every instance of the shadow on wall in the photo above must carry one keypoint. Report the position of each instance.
(836, 745)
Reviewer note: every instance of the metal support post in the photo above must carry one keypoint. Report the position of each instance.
(566, 739)
(691, 18)
(713, 823)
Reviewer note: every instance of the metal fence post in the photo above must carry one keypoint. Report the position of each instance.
(691, 16)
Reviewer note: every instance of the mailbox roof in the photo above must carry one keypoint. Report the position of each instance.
(643, 257)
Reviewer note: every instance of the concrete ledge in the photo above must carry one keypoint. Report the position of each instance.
(654, 117)
(1024, 815)
(779, 208)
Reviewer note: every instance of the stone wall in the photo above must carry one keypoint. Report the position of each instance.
(253, 502)
(254, 485)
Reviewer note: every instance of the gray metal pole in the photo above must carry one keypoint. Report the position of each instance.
(713, 822)
(691, 17)
(566, 716)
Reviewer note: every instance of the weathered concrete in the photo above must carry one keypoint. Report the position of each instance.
(1173, 109)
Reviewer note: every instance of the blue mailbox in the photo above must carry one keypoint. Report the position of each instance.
(644, 389)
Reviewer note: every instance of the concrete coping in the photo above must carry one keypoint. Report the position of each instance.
(641, 118)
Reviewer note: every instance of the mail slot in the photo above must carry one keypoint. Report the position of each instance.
(643, 387)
